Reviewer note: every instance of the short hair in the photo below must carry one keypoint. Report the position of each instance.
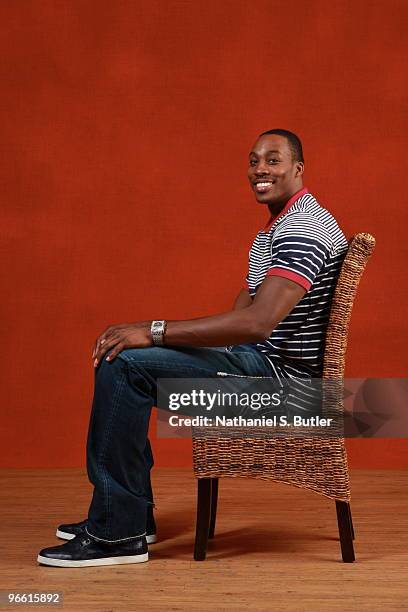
(294, 142)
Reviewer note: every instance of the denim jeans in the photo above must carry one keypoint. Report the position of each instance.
(119, 456)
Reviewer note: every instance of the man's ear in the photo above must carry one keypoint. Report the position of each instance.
(300, 168)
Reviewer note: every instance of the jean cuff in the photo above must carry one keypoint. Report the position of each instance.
(114, 541)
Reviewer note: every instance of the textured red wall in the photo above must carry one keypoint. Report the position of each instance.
(126, 129)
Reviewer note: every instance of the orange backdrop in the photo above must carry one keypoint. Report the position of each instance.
(126, 129)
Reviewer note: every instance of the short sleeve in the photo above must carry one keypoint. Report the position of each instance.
(300, 248)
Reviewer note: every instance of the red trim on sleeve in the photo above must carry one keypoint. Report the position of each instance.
(293, 276)
(245, 285)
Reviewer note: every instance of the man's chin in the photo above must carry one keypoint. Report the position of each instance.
(262, 198)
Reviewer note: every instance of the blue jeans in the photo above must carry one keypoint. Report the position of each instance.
(119, 457)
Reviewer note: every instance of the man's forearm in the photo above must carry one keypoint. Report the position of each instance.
(273, 301)
(234, 327)
(254, 323)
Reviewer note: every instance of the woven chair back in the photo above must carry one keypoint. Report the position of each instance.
(360, 248)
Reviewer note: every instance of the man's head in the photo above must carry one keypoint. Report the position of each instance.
(276, 167)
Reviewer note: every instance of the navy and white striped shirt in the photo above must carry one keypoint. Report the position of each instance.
(304, 244)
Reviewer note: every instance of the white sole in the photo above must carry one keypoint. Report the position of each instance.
(93, 562)
(64, 535)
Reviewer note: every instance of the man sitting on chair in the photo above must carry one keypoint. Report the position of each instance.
(276, 328)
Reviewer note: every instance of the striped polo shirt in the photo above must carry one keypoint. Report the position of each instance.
(304, 244)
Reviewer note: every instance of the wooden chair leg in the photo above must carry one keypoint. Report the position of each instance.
(345, 532)
(214, 500)
(203, 518)
(351, 522)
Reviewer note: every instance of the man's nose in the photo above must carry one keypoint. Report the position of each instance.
(261, 168)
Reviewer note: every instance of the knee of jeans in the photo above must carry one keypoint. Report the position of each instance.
(109, 369)
(136, 363)
(110, 372)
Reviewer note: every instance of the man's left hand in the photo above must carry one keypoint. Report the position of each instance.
(116, 338)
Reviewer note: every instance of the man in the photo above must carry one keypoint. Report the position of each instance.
(276, 328)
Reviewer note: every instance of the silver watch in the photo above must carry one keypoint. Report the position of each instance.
(157, 330)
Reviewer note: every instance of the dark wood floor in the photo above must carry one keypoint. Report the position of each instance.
(276, 547)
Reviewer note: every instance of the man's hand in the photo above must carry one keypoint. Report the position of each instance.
(118, 337)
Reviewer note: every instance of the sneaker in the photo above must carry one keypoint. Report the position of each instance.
(69, 531)
(85, 551)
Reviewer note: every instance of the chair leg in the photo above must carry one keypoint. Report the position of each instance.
(345, 532)
(214, 499)
(203, 518)
(351, 522)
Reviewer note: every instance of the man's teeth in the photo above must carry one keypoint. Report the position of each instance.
(264, 184)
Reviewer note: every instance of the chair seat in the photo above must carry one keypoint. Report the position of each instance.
(314, 463)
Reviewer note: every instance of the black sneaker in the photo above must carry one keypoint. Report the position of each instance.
(85, 551)
(69, 531)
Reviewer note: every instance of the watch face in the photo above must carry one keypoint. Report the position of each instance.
(157, 331)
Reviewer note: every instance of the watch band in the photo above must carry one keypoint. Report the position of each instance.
(157, 331)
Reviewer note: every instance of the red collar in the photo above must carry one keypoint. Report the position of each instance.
(288, 204)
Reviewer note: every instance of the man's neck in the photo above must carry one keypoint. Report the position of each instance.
(276, 207)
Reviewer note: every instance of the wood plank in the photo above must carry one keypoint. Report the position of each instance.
(276, 547)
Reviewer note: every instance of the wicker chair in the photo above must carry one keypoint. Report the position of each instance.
(317, 463)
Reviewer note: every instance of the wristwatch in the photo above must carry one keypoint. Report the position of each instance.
(157, 330)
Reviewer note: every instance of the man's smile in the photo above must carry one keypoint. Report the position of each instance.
(262, 185)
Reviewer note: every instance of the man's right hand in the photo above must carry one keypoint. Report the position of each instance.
(111, 330)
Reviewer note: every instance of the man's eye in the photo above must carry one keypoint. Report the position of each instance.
(273, 161)
(252, 162)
